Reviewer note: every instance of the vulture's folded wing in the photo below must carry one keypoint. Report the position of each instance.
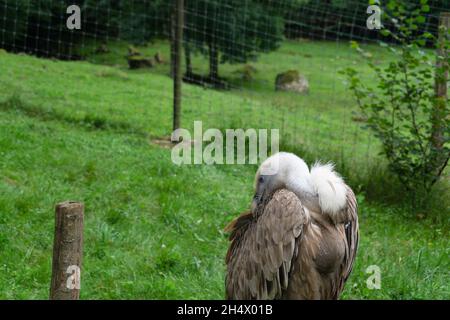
(351, 233)
(261, 252)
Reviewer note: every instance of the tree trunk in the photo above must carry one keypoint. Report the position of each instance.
(187, 56)
(213, 63)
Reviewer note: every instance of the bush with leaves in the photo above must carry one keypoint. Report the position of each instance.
(402, 107)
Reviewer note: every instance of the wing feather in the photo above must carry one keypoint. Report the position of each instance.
(351, 233)
(262, 248)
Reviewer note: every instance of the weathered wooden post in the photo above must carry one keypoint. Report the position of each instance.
(176, 62)
(67, 251)
(439, 109)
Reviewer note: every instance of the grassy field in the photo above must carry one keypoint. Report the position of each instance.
(153, 230)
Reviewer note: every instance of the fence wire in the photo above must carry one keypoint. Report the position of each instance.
(233, 53)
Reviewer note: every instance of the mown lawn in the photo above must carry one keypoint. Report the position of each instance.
(153, 230)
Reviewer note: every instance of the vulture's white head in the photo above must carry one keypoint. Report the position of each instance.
(320, 188)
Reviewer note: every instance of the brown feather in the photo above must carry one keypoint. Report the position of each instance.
(283, 250)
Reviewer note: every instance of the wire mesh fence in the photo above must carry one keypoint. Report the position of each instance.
(246, 64)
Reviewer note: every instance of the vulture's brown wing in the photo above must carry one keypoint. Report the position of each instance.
(347, 222)
(262, 250)
(351, 233)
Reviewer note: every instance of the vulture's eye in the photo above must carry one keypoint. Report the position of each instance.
(261, 179)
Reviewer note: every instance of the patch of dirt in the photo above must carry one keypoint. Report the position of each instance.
(163, 142)
(11, 182)
(166, 143)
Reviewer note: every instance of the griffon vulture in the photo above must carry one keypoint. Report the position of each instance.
(299, 239)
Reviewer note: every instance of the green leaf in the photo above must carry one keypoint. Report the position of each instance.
(354, 44)
(425, 8)
(421, 42)
(420, 19)
(385, 32)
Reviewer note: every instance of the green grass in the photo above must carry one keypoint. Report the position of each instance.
(82, 131)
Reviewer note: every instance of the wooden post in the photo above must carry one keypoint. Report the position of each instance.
(67, 251)
(439, 116)
(178, 76)
(442, 66)
(172, 41)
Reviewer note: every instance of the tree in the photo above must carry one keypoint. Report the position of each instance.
(39, 27)
(141, 21)
(346, 19)
(21, 19)
(233, 31)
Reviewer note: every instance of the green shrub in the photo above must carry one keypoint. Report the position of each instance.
(402, 107)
